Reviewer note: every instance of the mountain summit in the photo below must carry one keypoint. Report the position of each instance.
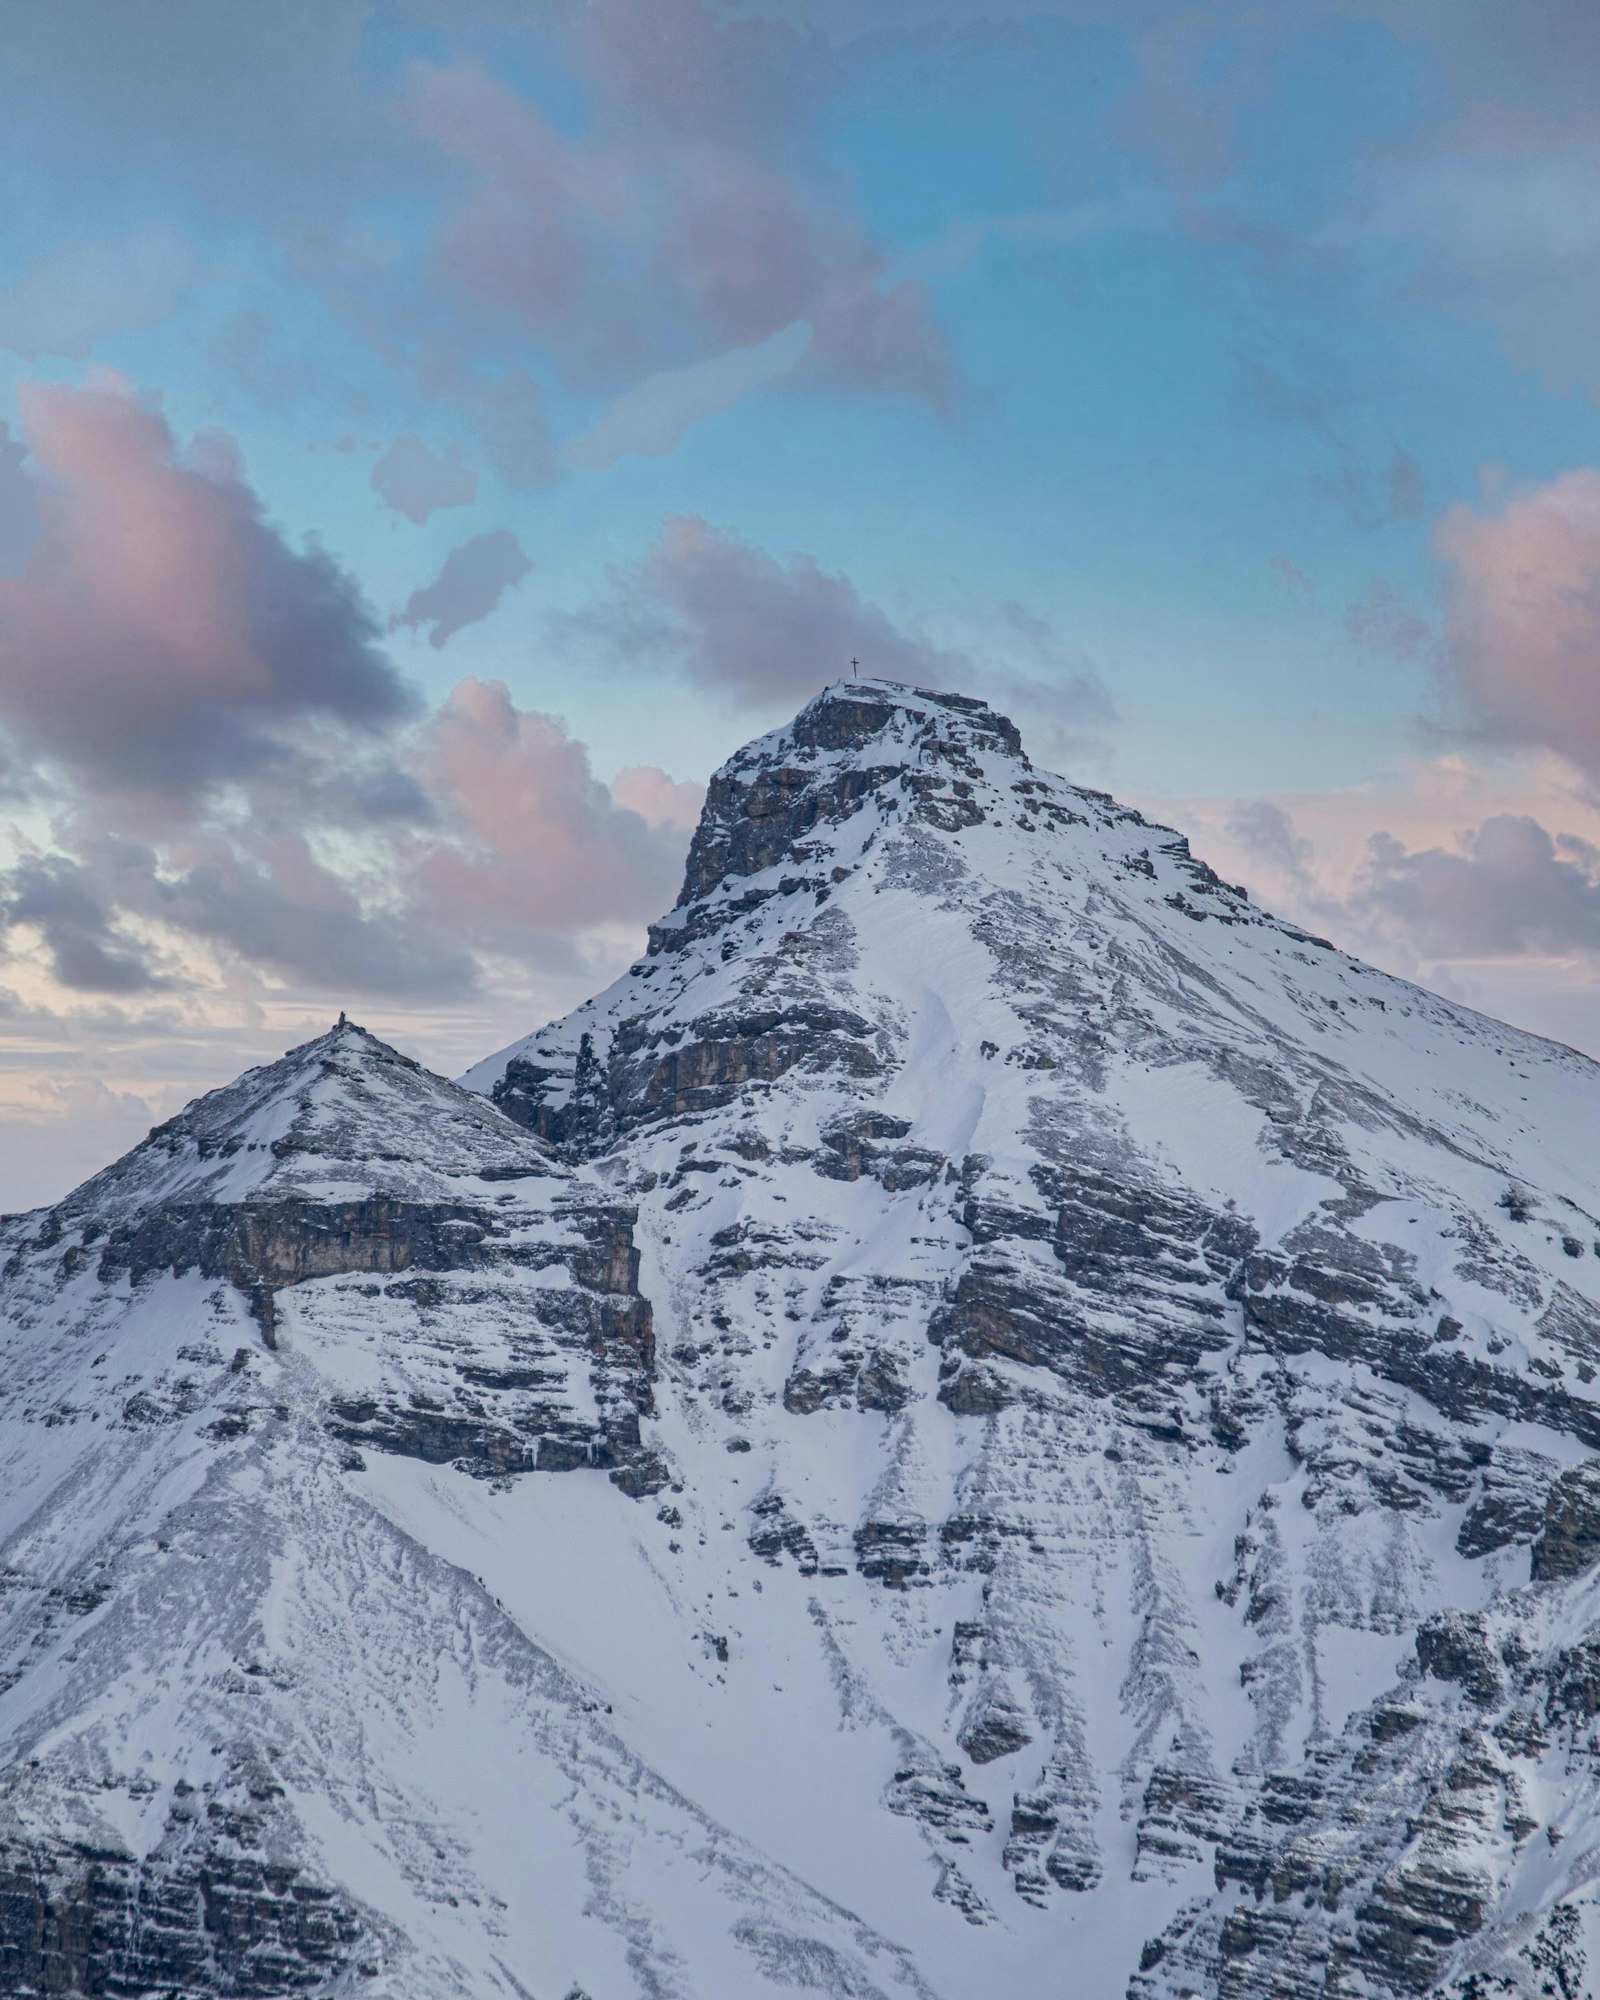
(1075, 1403)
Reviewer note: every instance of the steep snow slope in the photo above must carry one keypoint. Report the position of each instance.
(1115, 1326)
(264, 1728)
(1074, 1402)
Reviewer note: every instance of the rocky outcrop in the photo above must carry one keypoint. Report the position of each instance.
(1050, 1843)
(1454, 1646)
(758, 815)
(572, 1372)
(653, 1076)
(287, 1242)
(1569, 1539)
(211, 1911)
(515, 1416)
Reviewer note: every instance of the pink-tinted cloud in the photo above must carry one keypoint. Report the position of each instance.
(518, 851)
(532, 841)
(1522, 658)
(657, 798)
(524, 237)
(162, 633)
(683, 224)
(1481, 880)
(1507, 888)
(19, 505)
(243, 793)
(687, 73)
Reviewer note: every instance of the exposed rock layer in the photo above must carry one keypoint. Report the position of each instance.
(1101, 1388)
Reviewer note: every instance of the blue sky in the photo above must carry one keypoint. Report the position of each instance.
(486, 416)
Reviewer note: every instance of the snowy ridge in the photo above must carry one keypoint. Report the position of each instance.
(343, 1117)
(1074, 1400)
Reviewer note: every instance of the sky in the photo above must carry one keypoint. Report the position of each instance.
(435, 433)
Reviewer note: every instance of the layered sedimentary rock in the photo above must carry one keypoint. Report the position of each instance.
(1078, 1421)
(231, 1675)
(1184, 1334)
(377, 1206)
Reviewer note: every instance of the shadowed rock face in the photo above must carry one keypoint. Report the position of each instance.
(1569, 1541)
(650, 1080)
(287, 1242)
(211, 1917)
(261, 1247)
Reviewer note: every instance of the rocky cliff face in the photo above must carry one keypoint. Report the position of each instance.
(1078, 1412)
(348, 1161)
(1138, 1337)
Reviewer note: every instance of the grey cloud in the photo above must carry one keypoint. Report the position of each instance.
(381, 792)
(258, 896)
(769, 632)
(417, 482)
(317, 933)
(1509, 888)
(1266, 831)
(59, 899)
(494, 836)
(472, 582)
(762, 630)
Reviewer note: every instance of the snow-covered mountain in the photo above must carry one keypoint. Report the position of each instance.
(1076, 1405)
